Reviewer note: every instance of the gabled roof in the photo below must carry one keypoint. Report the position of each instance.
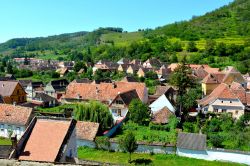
(24, 83)
(191, 141)
(214, 78)
(160, 103)
(104, 91)
(127, 97)
(221, 91)
(36, 84)
(46, 140)
(160, 90)
(162, 116)
(16, 115)
(43, 97)
(86, 130)
(7, 87)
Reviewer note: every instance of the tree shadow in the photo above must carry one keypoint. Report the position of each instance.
(142, 161)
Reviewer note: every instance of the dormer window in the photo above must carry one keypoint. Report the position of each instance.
(118, 102)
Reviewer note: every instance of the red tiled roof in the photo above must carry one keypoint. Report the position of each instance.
(45, 140)
(162, 116)
(221, 91)
(17, 115)
(213, 78)
(103, 91)
(86, 130)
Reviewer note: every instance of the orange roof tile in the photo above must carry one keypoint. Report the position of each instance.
(86, 130)
(45, 140)
(17, 115)
(221, 91)
(104, 91)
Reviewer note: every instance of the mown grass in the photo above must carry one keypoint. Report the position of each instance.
(144, 159)
(5, 141)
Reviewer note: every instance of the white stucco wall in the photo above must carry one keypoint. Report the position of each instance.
(4, 130)
(161, 102)
(219, 155)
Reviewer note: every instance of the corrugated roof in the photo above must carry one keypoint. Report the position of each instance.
(191, 141)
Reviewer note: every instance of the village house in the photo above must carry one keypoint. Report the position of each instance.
(167, 90)
(123, 67)
(132, 69)
(86, 133)
(161, 109)
(43, 100)
(152, 63)
(228, 75)
(225, 98)
(12, 92)
(123, 61)
(56, 88)
(105, 65)
(14, 119)
(62, 71)
(162, 116)
(24, 83)
(48, 140)
(103, 92)
(66, 64)
(163, 72)
(32, 88)
(142, 72)
(119, 105)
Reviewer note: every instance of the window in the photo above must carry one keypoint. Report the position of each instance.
(2, 127)
(236, 112)
(224, 110)
(117, 112)
(216, 110)
(230, 101)
(221, 101)
(18, 130)
(118, 102)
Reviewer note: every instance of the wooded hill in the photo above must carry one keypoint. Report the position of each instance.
(225, 30)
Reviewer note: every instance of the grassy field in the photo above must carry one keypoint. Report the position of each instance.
(144, 133)
(5, 141)
(122, 39)
(144, 159)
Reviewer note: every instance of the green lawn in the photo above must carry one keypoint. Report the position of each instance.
(144, 159)
(5, 141)
(145, 134)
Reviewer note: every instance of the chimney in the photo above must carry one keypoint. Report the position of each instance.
(13, 141)
(114, 85)
(97, 90)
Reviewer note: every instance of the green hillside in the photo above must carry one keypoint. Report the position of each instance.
(220, 38)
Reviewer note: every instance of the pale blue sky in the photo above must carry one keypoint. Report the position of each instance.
(35, 18)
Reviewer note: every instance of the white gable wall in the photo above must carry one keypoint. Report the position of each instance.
(161, 102)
